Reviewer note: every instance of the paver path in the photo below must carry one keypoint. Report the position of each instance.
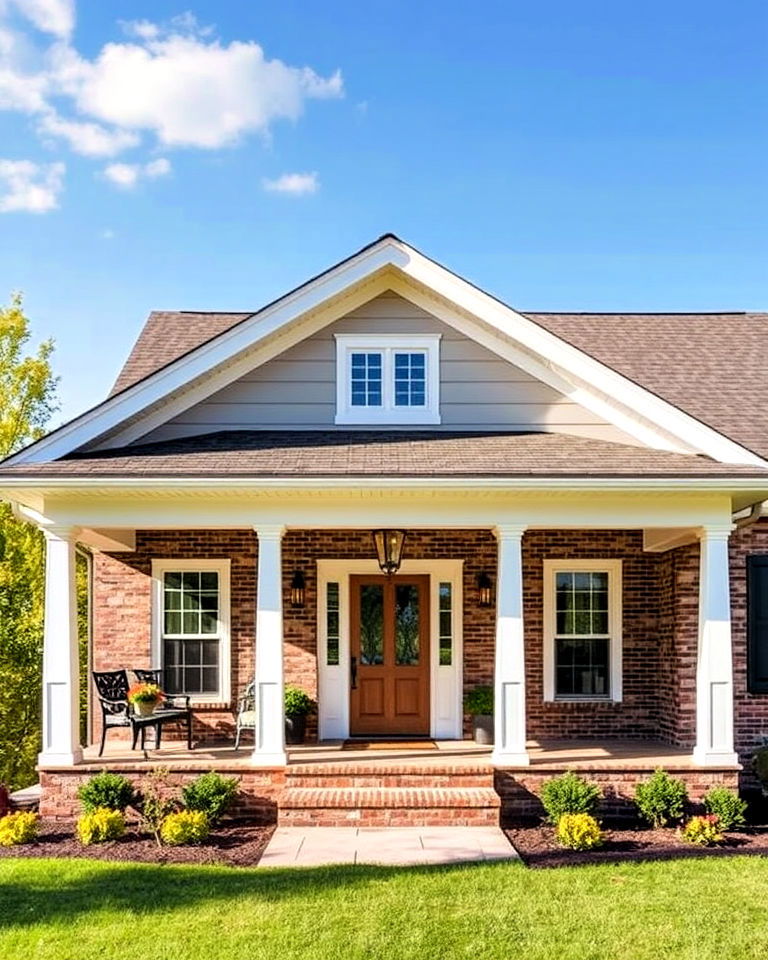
(394, 846)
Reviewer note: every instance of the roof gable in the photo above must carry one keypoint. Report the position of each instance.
(386, 264)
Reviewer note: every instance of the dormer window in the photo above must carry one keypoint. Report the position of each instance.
(387, 379)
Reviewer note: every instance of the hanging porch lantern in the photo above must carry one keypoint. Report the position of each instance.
(389, 549)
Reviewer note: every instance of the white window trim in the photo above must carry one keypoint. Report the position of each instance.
(614, 570)
(222, 567)
(387, 413)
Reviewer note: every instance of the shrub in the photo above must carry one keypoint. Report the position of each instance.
(727, 806)
(18, 828)
(579, 831)
(297, 702)
(569, 794)
(661, 799)
(157, 802)
(211, 794)
(704, 831)
(479, 702)
(100, 826)
(106, 790)
(186, 826)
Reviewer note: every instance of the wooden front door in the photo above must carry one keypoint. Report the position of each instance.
(389, 667)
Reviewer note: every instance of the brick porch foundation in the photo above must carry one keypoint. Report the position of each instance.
(411, 794)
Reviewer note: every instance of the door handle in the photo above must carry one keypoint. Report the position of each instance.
(353, 671)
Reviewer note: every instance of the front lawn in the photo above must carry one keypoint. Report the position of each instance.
(688, 910)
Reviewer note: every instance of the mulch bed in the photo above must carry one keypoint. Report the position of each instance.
(537, 846)
(236, 845)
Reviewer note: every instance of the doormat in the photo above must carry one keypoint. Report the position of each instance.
(389, 745)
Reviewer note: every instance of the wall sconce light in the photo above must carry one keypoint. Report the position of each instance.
(484, 589)
(298, 589)
(389, 549)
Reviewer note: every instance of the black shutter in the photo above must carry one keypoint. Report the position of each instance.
(757, 624)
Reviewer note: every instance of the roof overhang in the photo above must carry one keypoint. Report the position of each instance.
(389, 263)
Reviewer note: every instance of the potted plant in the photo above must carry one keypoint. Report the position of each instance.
(479, 703)
(298, 705)
(144, 697)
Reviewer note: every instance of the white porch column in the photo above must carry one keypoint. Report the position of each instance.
(269, 749)
(61, 667)
(509, 677)
(714, 668)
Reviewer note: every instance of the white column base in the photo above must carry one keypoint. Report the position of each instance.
(60, 759)
(712, 758)
(500, 758)
(259, 759)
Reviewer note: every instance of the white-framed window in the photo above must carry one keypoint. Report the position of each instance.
(190, 627)
(582, 630)
(387, 379)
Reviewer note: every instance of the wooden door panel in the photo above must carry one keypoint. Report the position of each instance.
(389, 634)
(372, 697)
(408, 697)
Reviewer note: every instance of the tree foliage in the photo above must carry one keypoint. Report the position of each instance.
(27, 401)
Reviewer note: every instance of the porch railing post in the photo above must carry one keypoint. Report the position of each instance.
(61, 662)
(509, 676)
(269, 742)
(714, 666)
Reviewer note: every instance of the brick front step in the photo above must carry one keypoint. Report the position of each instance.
(426, 776)
(388, 806)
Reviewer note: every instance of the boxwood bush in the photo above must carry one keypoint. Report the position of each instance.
(727, 806)
(210, 794)
(569, 793)
(109, 791)
(661, 799)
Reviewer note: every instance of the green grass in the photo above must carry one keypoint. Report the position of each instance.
(685, 910)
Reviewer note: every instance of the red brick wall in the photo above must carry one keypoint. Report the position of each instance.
(636, 717)
(750, 709)
(652, 587)
(122, 608)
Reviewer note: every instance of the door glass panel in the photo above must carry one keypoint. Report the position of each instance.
(371, 624)
(406, 625)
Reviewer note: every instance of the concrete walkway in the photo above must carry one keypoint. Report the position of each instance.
(393, 846)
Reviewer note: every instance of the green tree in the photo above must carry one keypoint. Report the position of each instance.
(27, 401)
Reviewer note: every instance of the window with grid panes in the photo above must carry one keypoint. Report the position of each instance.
(192, 632)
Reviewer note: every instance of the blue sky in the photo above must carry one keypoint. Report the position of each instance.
(564, 156)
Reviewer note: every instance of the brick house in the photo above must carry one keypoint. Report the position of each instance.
(573, 503)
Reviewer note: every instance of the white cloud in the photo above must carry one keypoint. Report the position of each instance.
(190, 92)
(295, 184)
(30, 187)
(88, 139)
(172, 84)
(127, 175)
(107, 234)
(157, 168)
(51, 16)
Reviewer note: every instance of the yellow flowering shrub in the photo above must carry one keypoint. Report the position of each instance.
(704, 831)
(100, 826)
(579, 831)
(187, 826)
(17, 828)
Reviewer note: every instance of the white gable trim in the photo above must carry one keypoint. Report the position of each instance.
(317, 303)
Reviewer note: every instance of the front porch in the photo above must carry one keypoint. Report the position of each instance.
(445, 782)
(658, 691)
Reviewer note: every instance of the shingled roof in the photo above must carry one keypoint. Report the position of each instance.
(363, 453)
(710, 365)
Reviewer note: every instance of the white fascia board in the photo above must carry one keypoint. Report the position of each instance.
(562, 354)
(154, 388)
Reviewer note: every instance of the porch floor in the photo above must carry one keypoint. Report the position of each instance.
(544, 754)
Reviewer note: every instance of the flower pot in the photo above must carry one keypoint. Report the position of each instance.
(144, 708)
(295, 728)
(482, 728)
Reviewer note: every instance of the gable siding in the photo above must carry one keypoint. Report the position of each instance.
(478, 390)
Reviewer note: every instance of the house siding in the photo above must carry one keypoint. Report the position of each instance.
(478, 390)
